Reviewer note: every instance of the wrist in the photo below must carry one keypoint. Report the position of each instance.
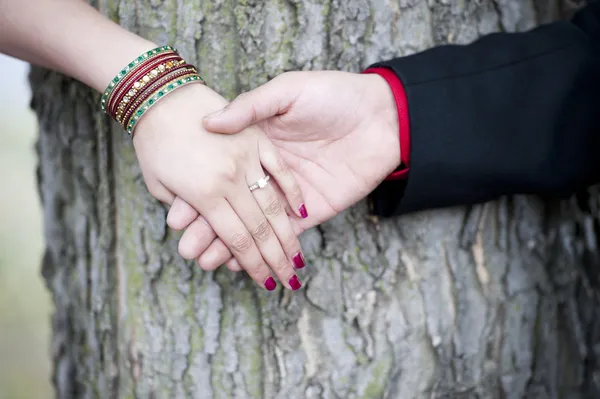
(106, 50)
(381, 106)
(130, 48)
(199, 98)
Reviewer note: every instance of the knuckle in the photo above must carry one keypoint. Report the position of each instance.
(241, 242)
(230, 169)
(262, 230)
(272, 206)
(208, 188)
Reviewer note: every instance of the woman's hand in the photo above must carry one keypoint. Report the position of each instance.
(212, 173)
(177, 156)
(337, 131)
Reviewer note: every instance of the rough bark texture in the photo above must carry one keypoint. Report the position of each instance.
(493, 301)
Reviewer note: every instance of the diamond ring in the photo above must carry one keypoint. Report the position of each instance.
(262, 183)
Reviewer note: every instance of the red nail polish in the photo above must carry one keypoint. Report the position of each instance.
(295, 283)
(270, 284)
(299, 261)
(303, 212)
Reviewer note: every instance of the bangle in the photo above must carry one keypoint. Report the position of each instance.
(143, 82)
(150, 89)
(129, 82)
(158, 95)
(144, 90)
(125, 71)
(136, 88)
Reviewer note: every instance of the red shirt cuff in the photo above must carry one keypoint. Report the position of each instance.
(402, 107)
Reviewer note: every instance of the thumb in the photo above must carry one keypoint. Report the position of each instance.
(273, 98)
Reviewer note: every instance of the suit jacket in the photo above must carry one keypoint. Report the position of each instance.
(509, 113)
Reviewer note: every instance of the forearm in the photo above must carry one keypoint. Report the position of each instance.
(511, 113)
(68, 36)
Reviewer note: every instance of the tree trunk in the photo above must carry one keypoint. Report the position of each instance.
(491, 301)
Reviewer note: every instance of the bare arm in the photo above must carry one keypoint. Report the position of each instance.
(68, 36)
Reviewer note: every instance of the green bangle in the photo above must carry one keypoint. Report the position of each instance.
(125, 71)
(159, 94)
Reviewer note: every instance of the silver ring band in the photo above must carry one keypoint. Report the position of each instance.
(262, 183)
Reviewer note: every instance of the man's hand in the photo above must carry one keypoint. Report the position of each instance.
(337, 131)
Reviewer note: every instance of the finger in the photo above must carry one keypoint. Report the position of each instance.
(272, 207)
(196, 238)
(272, 98)
(181, 214)
(283, 200)
(216, 254)
(161, 193)
(264, 217)
(235, 235)
(272, 161)
(233, 265)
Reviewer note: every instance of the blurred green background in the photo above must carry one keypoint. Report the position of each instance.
(25, 305)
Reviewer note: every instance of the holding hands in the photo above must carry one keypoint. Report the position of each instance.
(337, 133)
(212, 173)
(325, 139)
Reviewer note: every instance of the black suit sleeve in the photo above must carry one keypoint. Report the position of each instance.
(510, 113)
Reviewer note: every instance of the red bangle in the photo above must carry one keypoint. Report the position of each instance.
(128, 83)
(134, 71)
(125, 106)
(145, 80)
(149, 88)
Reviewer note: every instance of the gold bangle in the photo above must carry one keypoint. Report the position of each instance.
(150, 89)
(137, 87)
(127, 70)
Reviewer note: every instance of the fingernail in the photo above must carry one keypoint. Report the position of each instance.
(295, 283)
(270, 284)
(303, 212)
(215, 113)
(299, 261)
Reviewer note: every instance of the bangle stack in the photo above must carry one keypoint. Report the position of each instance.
(143, 82)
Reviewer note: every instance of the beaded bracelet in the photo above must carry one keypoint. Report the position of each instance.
(143, 82)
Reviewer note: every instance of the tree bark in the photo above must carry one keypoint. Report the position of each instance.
(490, 301)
